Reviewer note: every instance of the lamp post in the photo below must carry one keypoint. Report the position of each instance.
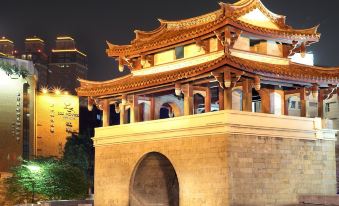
(33, 170)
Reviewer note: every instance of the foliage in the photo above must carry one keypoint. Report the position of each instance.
(79, 152)
(13, 69)
(54, 180)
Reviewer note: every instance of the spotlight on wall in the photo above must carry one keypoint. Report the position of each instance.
(44, 90)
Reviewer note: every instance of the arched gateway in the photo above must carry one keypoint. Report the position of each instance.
(154, 182)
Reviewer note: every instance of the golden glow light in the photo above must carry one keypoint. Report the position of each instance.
(34, 39)
(6, 40)
(66, 93)
(65, 38)
(57, 91)
(44, 90)
(68, 50)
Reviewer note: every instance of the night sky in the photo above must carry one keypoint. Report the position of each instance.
(92, 22)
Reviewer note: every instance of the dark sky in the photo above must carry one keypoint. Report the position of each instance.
(92, 22)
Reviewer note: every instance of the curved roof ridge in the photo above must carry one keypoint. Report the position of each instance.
(312, 30)
(245, 3)
(194, 21)
(141, 35)
(84, 82)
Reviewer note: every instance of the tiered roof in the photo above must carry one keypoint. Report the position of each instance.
(173, 32)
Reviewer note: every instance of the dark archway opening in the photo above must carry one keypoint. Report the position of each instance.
(166, 111)
(199, 104)
(154, 182)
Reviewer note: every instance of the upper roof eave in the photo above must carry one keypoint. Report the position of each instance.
(292, 72)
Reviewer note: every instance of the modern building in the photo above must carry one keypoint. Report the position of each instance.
(35, 51)
(57, 117)
(267, 141)
(66, 65)
(6, 47)
(33, 123)
(17, 119)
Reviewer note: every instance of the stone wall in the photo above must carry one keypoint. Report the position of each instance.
(220, 170)
(221, 158)
(275, 171)
(200, 166)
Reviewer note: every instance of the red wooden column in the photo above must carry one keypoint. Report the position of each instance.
(208, 99)
(152, 108)
(134, 109)
(321, 103)
(105, 113)
(227, 89)
(303, 111)
(123, 114)
(265, 100)
(285, 104)
(221, 98)
(228, 98)
(246, 96)
(188, 99)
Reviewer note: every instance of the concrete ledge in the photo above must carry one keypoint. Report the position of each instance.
(214, 123)
(320, 200)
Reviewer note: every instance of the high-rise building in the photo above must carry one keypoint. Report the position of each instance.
(17, 119)
(35, 52)
(6, 47)
(66, 65)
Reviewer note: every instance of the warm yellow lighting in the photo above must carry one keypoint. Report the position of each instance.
(65, 38)
(6, 40)
(34, 39)
(66, 93)
(44, 90)
(67, 50)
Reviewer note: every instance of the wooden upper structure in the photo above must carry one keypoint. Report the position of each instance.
(244, 21)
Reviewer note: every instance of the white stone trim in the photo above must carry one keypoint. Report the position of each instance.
(215, 123)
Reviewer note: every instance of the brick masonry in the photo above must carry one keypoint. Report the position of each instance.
(224, 169)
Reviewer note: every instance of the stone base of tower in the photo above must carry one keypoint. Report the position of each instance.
(220, 158)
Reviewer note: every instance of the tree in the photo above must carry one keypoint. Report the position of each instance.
(51, 179)
(12, 69)
(79, 152)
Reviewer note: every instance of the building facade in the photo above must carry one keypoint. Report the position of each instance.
(33, 122)
(57, 119)
(6, 47)
(264, 138)
(35, 51)
(66, 65)
(17, 119)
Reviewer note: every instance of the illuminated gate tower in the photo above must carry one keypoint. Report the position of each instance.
(265, 145)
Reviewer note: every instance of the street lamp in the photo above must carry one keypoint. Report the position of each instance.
(33, 169)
